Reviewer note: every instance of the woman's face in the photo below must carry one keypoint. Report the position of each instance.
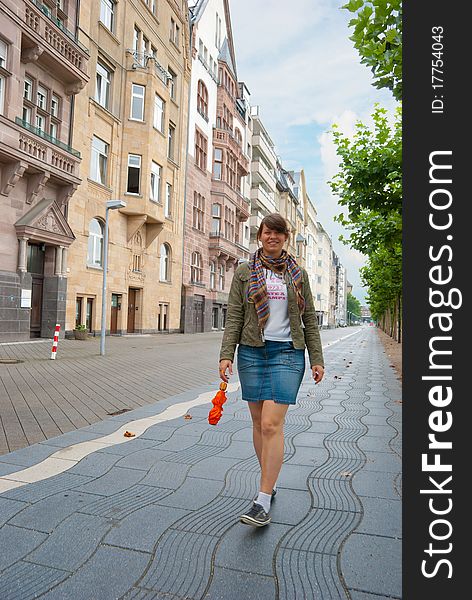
(272, 242)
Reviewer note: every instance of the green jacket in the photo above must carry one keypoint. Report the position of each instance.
(242, 326)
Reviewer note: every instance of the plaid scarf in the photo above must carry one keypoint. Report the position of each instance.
(257, 289)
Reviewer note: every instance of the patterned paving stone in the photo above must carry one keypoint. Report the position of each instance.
(382, 461)
(166, 475)
(71, 543)
(114, 481)
(45, 515)
(26, 581)
(173, 572)
(193, 494)
(120, 505)
(229, 584)
(106, 576)
(141, 529)
(48, 487)
(360, 560)
(16, 543)
(250, 549)
(375, 484)
(381, 517)
(213, 467)
(9, 508)
(94, 465)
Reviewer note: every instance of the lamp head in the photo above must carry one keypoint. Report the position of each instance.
(114, 204)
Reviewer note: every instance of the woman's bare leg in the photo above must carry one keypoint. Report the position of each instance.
(255, 409)
(272, 435)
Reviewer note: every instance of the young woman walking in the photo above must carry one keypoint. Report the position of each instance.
(271, 318)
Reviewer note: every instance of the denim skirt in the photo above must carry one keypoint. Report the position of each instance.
(271, 372)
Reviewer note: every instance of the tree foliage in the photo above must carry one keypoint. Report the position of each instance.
(377, 37)
(369, 187)
(353, 305)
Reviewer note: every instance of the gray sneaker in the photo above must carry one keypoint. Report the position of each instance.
(256, 516)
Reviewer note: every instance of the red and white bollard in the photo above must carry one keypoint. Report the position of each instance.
(55, 342)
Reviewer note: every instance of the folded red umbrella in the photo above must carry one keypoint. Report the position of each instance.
(215, 413)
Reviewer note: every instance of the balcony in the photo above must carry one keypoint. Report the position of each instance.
(142, 60)
(220, 247)
(221, 188)
(42, 147)
(261, 174)
(222, 137)
(260, 143)
(261, 197)
(47, 41)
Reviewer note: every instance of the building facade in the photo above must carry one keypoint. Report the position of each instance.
(287, 203)
(263, 176)
(217, 205)
(322, 290)
(43, 66)
(131, 128)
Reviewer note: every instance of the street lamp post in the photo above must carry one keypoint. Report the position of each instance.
(110, 205)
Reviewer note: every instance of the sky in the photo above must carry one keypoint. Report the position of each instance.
(305, 74)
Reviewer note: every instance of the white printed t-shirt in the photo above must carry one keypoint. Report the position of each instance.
(277, 328)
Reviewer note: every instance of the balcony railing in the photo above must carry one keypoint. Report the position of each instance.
(47, 11)
(46, 136)
(141, 60)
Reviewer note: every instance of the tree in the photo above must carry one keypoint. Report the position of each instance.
(369, 186)
(378, 39)
(369, 182)
(353, 305)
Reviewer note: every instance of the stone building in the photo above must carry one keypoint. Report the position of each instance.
(43, 65)
(287, 203)
(322, 265)
(131, 128)
(217, 204)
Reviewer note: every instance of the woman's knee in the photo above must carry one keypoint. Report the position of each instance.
(270, 428)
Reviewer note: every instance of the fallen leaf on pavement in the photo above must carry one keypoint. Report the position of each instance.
(129, 434)
(346, 473)
(187, 416)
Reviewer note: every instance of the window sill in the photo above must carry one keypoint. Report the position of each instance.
(200, 231)
(165, 282)
(171, 160)
(137, 120)
(174, 101)
(100, 185)
(133, 195)
(175, 46)
(156, 202)
(97, 104)
(95, 268)
(159, 131)
(110, 33)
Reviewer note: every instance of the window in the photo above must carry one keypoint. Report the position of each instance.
(156, 174)
(212, 275)
(202, 99)
(318, 297)
(99, 161)
(171, 141)
(137, 263)
(154, 7)
(55, 106)
(172, 84)
(196, 267)
(163, 317)
(134, 173)
(168, 203)
(217, 163)
(238, 137)
(320, 250)
(221, 277)
(200, 150)
(107, 13)
(53, 130)
(216, 219)
(159, 105)
(231, 169)
(137, 102)
(320, 263)
(26, 114)
(319, 279)
(218, 31)
(41, 97)
(2, 94)
(215, 317)
(78, 311)
(136, 34)
(164, 273)
(3, 54)
(102, 92)
(229, 224)
(174, 34)
(40, 122)
(95, 244)
(198, 210)
(28, 89)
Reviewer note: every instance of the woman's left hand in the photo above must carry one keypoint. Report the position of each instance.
(318, 373)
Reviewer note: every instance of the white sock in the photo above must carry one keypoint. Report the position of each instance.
(275, 486)
(264, 501)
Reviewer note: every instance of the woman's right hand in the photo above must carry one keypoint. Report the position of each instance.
(226, 364)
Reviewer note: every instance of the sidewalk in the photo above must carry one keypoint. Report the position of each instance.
(156, 516)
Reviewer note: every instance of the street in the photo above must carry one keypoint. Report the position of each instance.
(94, 515)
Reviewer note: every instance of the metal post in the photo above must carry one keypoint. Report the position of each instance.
(104, 285)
